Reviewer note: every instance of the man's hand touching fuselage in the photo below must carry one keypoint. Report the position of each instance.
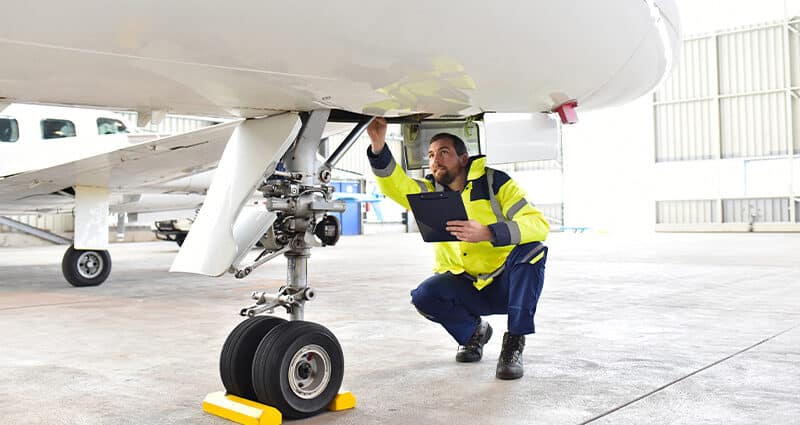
(377, 134)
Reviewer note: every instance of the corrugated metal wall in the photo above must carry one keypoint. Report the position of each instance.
(734, 94)
(686, 131)
(686, 212)
(796, 121)
(760, 210)
(58, 223)
(797, 211)
(729, 97)
(553, 212)
(751, 60)
(685, 110)
(740, 210)
(794, 77)
(754, 126)
(529, 166)
(695, 75)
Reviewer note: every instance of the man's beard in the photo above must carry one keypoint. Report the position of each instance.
(445, 179)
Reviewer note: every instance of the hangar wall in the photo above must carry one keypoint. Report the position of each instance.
(727, 132)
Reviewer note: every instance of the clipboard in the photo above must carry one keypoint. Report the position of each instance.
(433, 210)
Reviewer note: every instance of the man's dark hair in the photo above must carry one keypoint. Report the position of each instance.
(458, 144)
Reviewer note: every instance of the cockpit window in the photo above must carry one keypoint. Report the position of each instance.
(56, 129)
(9, 130)
(110, 126)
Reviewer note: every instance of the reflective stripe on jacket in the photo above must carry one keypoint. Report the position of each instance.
(490, 196)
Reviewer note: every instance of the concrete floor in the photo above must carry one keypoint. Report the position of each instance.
(627, 330)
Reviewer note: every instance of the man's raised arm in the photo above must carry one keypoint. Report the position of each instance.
(377, 134)
(391, 179)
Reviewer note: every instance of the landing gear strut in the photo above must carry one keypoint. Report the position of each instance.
(294, 366)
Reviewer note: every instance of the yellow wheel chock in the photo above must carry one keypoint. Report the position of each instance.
(247, 412)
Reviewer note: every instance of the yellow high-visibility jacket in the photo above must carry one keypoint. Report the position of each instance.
(490, 196)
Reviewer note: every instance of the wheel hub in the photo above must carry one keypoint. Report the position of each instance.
(304, 371)
(90, 265)
(309, 371)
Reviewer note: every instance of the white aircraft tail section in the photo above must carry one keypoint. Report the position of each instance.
(254, 149)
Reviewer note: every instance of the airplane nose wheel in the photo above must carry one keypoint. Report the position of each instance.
(236, 360)
(298, 368)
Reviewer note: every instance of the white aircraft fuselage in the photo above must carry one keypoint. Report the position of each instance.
(257, 58)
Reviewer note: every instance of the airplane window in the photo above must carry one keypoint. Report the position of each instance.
(9, 130)
(110, 126)
(56, 129)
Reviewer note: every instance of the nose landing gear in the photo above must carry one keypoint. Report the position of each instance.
(272, 368)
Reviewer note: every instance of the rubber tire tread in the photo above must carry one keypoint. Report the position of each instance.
(236, 359)
(271, 362)
(69, 267)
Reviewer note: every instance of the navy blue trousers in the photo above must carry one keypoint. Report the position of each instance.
(452, 301)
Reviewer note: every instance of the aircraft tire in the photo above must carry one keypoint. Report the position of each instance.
(85, 267)
(298, 369)
(236, 359)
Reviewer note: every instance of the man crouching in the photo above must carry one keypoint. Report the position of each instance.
(497, 267)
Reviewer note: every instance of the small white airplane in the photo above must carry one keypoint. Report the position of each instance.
(65, 141)
(285, 69)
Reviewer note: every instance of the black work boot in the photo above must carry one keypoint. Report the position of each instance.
(509, 365)
(472, 351)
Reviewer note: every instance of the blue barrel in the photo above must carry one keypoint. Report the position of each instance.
(351, 217)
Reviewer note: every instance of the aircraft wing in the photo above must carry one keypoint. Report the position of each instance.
(131, 169)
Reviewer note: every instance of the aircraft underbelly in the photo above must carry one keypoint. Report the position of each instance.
(378, 58)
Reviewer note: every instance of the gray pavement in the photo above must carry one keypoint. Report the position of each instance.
(672, 328)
